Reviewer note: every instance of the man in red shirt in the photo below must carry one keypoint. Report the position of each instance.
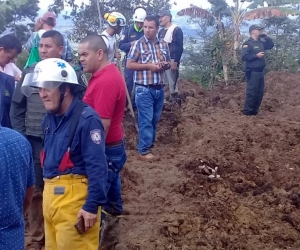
(106, 94)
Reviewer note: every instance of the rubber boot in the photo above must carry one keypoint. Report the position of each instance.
(110, 232)
(175, 99)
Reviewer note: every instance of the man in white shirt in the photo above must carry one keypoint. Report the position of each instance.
(116, 23)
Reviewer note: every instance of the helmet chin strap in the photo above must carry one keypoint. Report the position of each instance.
(61, 98)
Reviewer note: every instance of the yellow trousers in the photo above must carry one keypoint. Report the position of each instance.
(63, 198)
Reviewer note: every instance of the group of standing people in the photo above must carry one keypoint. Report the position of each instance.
(70, 141)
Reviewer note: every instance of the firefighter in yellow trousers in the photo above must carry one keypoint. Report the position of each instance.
(73, 158)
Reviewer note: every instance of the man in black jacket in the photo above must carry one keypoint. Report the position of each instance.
(173, 35)
(26, 116)
(253, 53)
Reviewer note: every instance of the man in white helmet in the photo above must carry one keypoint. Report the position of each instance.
(129, 37)
(116, 22)
(73, 158)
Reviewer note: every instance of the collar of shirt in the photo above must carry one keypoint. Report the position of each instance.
(67, 114)
(253, 40)
(146, 40)
(101, 71)
(137, 29)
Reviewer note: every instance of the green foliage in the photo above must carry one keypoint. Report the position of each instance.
(86, 17)
(286, 54)
(12, 12)
(22, 59)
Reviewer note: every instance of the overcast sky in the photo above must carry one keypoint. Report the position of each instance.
(180, 3)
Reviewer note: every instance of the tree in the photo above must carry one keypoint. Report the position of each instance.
(238, 14)
(13, 12)
(219, 10)
(86, 16)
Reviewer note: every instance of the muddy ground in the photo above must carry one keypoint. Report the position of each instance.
(254, 205)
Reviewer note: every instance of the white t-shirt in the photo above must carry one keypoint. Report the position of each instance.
(110, 43)
(12, 70)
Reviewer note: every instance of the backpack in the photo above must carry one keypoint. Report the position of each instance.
(34, 55)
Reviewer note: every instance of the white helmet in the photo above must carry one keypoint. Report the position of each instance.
(50, 74)
(139, 15)
(115, 19)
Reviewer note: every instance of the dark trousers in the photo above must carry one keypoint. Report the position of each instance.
(110, 227)
(254, 93)
(35, 211)
(128, 74)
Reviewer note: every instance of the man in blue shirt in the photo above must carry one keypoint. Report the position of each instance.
(73, 157)
(16, 187)
(7, 87)
(10, 47)
(129, 37)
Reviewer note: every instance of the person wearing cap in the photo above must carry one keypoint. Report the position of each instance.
(149, 57)
(116, 22)
(26, 115)
(73, 158)
(172, 34)
(253, 53)
(43, 24)
(129, 37)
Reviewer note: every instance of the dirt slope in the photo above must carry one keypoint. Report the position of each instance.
(255, 204)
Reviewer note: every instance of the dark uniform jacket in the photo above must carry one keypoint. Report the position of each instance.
(251, 48)
(129, 35)
(27, 113)
(7, 86)
(87, 151)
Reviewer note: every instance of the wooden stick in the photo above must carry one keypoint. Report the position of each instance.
(127, 93)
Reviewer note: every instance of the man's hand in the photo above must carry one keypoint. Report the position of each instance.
(260, 54)
(154, 67)
(174, 66)
(132, 42)
(89, 219)
(118, 55)
(38, 24)
(164, 65)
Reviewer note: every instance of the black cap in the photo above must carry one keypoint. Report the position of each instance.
(165, 13)
(255, 27)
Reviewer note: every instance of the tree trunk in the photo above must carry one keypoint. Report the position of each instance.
(212, 71)
(100, 15)
(224, 59)
(236, 41)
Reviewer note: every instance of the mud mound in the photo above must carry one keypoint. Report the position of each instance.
(174, 204)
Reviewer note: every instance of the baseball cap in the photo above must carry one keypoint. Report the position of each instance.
(165, 13)
(49, 16)
(255, 27)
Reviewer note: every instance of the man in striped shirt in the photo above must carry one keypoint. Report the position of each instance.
(149, 57)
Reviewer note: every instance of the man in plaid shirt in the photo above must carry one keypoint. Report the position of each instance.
(43, 24)
(149, 57)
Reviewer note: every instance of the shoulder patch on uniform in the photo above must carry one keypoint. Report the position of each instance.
(122, 37)
(96, 135)
(245, 46)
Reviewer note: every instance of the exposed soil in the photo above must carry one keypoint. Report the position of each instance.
(254, 205)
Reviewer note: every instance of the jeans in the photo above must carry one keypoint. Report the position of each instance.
(149, 103)
(254, 93)
(128, 74)
(116, 158)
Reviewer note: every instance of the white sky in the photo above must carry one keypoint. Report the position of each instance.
(181, 4)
